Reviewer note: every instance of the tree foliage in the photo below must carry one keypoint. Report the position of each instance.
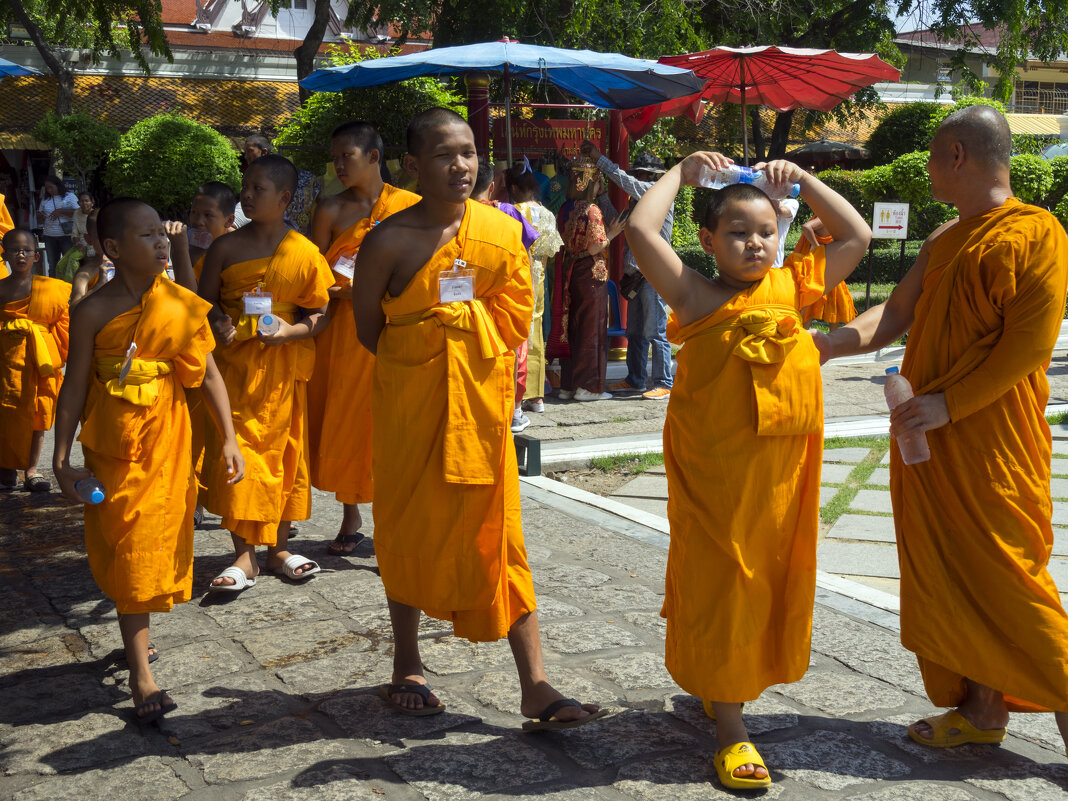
(103, 27)
(1031, 178)
(163, 159)
(80, 142)
(305, 137)
(903, 130)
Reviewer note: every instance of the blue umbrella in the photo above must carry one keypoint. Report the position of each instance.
(1053, 151)
(604, 80)
(11, 68)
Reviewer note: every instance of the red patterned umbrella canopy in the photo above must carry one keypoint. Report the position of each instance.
(782, 78)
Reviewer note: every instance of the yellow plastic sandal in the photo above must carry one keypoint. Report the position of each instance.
(942, 727)
(731, 758)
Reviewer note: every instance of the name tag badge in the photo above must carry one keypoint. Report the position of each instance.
(126, 362)
(345, 266)
(199, 239)
(457, 284)
(257, 302)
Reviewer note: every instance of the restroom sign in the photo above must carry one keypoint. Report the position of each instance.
(890, 221)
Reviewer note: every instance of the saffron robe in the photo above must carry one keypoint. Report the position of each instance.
(6, 224)
(34, 337)
(834, 307)
(135, 438)
(973, 523)
(199, 417)
(339, 393)
(448, 533)
(743, 444)
(267, 385)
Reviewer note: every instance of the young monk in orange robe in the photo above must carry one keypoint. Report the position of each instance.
(742, 442)
(136, 344)
(836, 307)
(34, 322)
(265, 268)
(448, 533)
(339, 393)
(983, 306)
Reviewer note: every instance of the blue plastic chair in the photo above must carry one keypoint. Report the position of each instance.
(615, 325)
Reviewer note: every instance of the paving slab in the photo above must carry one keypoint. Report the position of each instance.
(834, 473)
(827, 495)
(845, 455)
(871, 528)
(857, 559)
(872, 501)
(644, 486)
(880, 476)
(651, 505)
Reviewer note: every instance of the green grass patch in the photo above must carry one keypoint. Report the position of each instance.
(633, 463)
(1057, 418)
(858, 478)
(621, 420)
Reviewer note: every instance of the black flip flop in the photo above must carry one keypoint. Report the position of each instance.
(345, 539)
(546, 720)
(121, 660)
(37, 483)
(387, 691)
(9, 479)
(155, 714)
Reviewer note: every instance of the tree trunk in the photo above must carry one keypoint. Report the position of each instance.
(309, 48)
(64, 76)
(780, 134)
(758, 135)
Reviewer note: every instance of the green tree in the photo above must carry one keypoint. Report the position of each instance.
(102, 27)
(79, 142)
(903, 130)
(163, 159)
(306, 135)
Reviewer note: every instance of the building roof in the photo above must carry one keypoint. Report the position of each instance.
(234, 108)
(986, 38)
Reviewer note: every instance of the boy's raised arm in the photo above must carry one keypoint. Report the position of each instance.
(180, 261)
(219, 406)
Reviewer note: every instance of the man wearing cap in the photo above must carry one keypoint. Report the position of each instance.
(646, 311)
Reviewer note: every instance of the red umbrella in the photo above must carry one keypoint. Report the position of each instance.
(782, 78)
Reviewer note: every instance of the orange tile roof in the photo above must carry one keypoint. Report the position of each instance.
(234, 108)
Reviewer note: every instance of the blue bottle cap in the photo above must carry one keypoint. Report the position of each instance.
(266, 319)
(890, 370)
(96, 496)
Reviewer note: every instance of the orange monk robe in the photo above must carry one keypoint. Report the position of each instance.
(267, 385)
(448, 533)
(135, 437)
(743, 443)
(34, 336)
(834, 307)
(973, 523)
(6, 224)
(339, 393)
(198, 413)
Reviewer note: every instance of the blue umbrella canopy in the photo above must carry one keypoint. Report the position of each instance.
(1053, 151)
(11, 68)
(605, 80)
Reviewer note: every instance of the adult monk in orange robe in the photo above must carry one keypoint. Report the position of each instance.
(265, 268)
(339, 393)
(742, 442)
(34, 322)
(138, 342)
(444, 298)
(983, 306)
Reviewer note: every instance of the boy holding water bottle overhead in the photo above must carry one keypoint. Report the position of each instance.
(137, 343)
(743, 441)
(265, 270)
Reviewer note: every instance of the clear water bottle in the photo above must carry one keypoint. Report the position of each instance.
(737, 174)
(90, 490)
(268, 324)
(897, 390)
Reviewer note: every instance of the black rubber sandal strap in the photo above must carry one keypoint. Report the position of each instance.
(549, 711)
(422, 690)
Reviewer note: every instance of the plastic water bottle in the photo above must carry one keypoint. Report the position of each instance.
(268, 324)
(914, 449)
(90, 490)
(737, 174)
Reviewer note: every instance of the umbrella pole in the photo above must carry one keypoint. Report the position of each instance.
(745, 129)
(508, 113)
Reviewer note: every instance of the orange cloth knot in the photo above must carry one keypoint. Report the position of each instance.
(771, 333)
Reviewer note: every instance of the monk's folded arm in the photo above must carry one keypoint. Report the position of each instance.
(1032, 321)
(512, 307)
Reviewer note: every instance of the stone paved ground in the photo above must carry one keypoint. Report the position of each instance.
(276, 688)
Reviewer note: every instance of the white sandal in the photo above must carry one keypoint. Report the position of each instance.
(241, 581)
(290, 565)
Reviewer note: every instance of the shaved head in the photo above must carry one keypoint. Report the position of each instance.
(984, 133)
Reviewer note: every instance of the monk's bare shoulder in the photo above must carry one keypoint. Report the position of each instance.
(391, 239)
(93, 312)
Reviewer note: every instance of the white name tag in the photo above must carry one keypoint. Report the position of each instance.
(345, 266)
(258, 302)
(457, 284)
